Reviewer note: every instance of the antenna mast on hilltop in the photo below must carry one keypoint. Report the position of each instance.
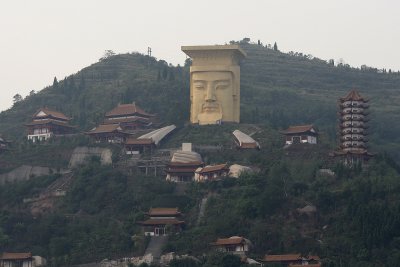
(149, 51)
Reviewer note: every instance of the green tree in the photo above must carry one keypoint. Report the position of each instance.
(17, 98)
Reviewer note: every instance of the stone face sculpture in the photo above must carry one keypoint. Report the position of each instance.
(214, 83)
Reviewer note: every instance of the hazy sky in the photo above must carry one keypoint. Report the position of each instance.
(45, 38)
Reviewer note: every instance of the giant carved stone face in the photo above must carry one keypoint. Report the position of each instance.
(214, 83)
(212, 97)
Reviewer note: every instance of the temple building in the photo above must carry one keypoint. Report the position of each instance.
(292, 260)
(3, 144)
(47, 123)
(24, 259)
(235, 244)
(148, 142)
(183, 164)
(108, 133)
(162, 221)
(244, 141)
(211, 172)
(353, 128)
(301, 134)
(129, 117)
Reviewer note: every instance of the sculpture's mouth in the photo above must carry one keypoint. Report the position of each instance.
(211, 107)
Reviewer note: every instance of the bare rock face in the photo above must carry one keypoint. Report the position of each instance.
(83, 154)
(24, 173)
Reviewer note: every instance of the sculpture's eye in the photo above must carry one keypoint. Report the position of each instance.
(220, 85)
(198, 85)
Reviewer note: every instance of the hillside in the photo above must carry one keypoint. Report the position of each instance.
(278, 89)
(356, 221)
(98, 217)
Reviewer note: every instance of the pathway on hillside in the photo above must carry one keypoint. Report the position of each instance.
(156, 246)
(202, 208)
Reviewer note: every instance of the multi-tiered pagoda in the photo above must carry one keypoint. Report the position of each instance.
(353, 128)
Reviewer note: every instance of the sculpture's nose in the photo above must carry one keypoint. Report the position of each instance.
(210, 94)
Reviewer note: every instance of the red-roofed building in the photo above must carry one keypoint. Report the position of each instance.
(182, 171)
(3, 144)
(47, 123)
(138, 146)
(209, 173)
(162, 220)
(300, 134)
(109, 133)
(235, 244)
(292, 260)
(129, 117)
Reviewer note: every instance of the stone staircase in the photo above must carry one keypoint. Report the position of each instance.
(156, 246)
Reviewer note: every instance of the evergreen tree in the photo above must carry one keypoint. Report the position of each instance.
(17, 98)
(55, 83)
(275, 47)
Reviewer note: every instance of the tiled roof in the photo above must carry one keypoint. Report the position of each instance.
(181, 170)
(249, 145)
(127, 109)
(244, 140)
(308, 265)
(161, 222)
(353, 95)
(134, 141)
(16, 256)
(283, 257)
(195, 164)
(49, 121)
(126, 120)
(53, 113)
(163, 211)
(219, 167)
(298, 129)
(106, 128)
(234, 240)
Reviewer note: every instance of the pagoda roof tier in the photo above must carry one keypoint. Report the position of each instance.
(352, 152)
(361, 146)
(362, 105)
(127, 109)
(353, 95)
(343, 132)
(364, 119)
(50, 121)
(362, 126)
(362, 112)
(152, 222)
(362, 139)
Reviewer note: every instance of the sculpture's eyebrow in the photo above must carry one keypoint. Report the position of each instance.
(222, 81)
